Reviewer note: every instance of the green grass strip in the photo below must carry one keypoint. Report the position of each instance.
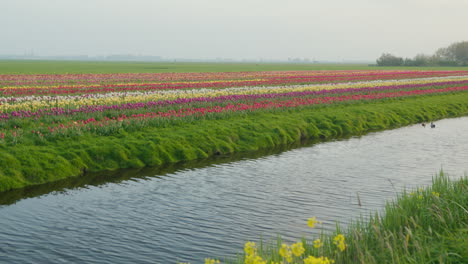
(26, 164)
(64, 67)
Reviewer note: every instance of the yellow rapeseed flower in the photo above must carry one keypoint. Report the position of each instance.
(297, 249)
(211, 261)
(318, 243)
(285, 252)
(320, 260)
(258, 260)
(250, 248)
(254, 259)
(338, 240)
(311, 222)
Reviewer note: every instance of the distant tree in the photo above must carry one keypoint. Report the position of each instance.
(459, 52)
(423, 60)
(409, 62)
(443, 54)
(455, 54)
(442, 57)
(388, 59)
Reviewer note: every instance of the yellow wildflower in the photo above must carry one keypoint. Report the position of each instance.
(311, 222)
(254, 259)
(338, 240)
(285, 252)
(320, 260)
(259, 260)
(436, 194)
(250, 248)
(211, 261)
(318, 243)
(297, 249)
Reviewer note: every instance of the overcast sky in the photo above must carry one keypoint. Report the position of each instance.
(238, 29)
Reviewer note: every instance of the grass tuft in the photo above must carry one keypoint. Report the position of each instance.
(427, 225)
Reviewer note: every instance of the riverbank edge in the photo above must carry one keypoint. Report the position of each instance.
(27, 165)
(424, 225)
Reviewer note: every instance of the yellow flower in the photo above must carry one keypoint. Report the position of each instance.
(341, 246)
(259, 260)
(250, 248)
(436, 194)
(297, 249)
(338, 240)
(320, 260)
(339, 237)
(254, 259)
(285, 252)
(211, 261)
(318, 243)
(312, 221)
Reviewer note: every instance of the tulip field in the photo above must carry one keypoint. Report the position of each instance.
(48, 106)
(72, 118)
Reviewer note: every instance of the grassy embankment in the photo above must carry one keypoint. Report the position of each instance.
(61, 67)
(29, 163)
(428, 225)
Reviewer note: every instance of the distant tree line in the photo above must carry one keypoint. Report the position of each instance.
(454, 55)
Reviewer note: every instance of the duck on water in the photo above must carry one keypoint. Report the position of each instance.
(424, 125)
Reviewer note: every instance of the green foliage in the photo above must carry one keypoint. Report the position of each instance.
(455, 54)
(387, 59)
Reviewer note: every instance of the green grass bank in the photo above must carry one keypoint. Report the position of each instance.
(25, 164)
(428, 225)
(63, 67)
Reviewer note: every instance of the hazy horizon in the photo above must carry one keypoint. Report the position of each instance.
(335, 30)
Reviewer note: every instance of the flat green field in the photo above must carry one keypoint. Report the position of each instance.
(61, 67)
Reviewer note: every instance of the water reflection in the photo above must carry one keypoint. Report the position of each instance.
(106, 177)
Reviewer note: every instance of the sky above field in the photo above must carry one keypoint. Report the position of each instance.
(334, 30)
